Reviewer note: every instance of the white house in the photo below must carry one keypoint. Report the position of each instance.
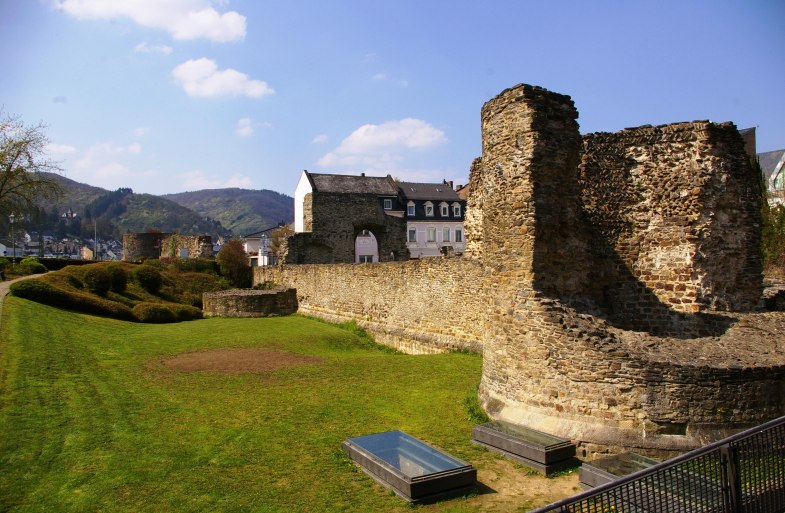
(434, 218)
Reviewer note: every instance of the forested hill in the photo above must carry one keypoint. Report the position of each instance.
(242, 211)
(113, 213)
(212, 212)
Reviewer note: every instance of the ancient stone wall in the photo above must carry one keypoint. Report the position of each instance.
(332, 223)
(249, 303)
(418, 306)
(551, 359)
(193, 246)
(662, 203)
(142, 246)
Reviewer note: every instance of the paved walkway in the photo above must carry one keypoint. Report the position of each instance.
(5, 285)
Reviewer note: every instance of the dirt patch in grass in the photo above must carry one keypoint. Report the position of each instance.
(507, 487)
(235, 361)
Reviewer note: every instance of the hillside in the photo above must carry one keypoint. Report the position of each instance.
(76, 195)
(242, 211)
(120, 211)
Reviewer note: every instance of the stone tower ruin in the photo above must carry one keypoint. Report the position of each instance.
(594, 248)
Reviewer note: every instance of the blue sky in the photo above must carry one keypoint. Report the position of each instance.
(172, 95)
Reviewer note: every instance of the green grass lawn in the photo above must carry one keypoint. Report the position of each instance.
(91, 420)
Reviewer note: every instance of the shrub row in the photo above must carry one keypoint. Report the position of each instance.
(41, 291)
(47, 293)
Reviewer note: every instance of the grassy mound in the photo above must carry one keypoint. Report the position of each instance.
(155, 292)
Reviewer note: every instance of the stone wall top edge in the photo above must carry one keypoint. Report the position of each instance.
(532, 91)
(669, 128)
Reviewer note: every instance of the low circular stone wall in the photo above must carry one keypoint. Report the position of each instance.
(249, 303)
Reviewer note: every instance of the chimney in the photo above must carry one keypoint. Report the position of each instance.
(362, 174)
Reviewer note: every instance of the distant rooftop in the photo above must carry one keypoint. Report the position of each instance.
(428, 191)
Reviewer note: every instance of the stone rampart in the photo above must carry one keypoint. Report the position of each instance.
(142, 246)
(418, 306)
(249, 303)
(664, 203)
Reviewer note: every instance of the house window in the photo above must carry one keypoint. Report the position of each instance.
(431, 235)
(444, 210)
(456, 211)
(412, 234)
(458, 235)
(446, 235)
(410, 209)
(429, 209)
(387, 204)
(366, 259)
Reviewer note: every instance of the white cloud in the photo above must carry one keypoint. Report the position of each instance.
(183, 19)
(201, 77)
(145, 48)
(100, 155)
(379, 76)
(319, 139)
(141, 131)
(111, 170)
(383, 148)
(60, 149)
(244, 127)
(196, 180)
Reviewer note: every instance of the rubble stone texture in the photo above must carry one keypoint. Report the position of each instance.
(332, 222)
(142, 246)
(249, 303)
(610, 281)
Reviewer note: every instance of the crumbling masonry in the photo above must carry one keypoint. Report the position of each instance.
(609, 280)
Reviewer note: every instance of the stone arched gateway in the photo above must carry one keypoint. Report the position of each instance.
(337, 208)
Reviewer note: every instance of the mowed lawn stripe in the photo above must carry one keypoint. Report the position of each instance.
(91, 418)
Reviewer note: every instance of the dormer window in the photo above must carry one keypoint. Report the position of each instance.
(456, 210)
(410, 208)
(444, 209)
(428, 209)
(387, 204)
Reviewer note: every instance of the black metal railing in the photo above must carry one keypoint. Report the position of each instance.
(744, 473)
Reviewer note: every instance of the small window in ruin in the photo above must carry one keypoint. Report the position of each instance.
(388, 204)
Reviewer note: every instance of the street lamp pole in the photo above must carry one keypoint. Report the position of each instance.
(13, 242)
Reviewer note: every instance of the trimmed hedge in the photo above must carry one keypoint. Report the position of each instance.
(165, 312)
(148, 278)
(40, 291)
(98, 280)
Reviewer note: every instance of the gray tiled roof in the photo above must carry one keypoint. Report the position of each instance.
(428, 191)
(381, 185)
(769, 160)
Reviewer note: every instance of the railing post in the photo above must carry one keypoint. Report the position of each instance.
(731, 462)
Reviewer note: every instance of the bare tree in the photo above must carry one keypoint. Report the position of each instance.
(23, 162)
